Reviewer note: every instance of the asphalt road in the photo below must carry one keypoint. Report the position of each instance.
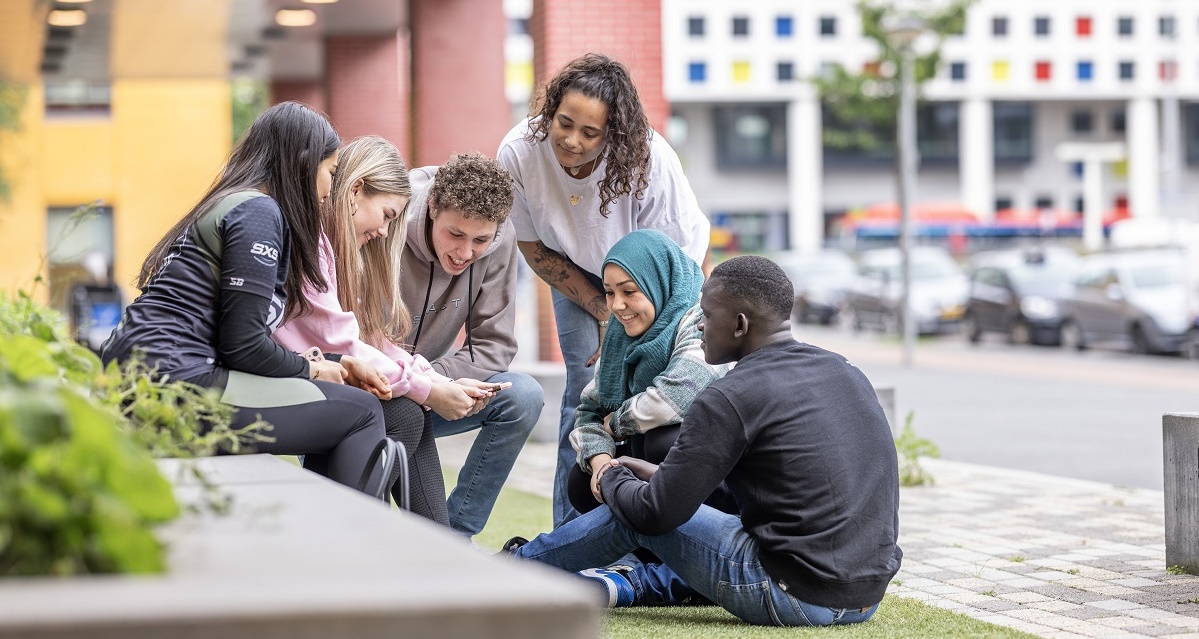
(1093, 415)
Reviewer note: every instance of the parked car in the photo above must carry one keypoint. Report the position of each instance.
(1017, 293)
(938, 291)
(1140, 301)
(820, 279)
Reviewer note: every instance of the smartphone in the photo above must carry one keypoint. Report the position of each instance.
(495, 388)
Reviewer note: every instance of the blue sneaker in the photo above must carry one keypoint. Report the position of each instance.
(615, 582)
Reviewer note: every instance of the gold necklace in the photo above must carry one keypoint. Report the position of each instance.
(575, 198)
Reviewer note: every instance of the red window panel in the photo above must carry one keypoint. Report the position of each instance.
(1082, 26)
(1167, 70)
(1044, 71)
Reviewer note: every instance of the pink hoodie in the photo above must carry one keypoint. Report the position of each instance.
(336, 331)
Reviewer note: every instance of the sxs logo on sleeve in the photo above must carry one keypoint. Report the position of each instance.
(265, 252)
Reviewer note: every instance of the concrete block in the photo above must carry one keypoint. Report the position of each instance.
(1180, 446)
(552, 377)
(299, 557)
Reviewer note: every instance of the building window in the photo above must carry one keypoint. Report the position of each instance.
(999, 27)
(786, 71)
(695, 26)
(741, 71)
(957, 71)
(1082, 121)
(1043, 202)
(1040, 26)
(1003, 203)
(1000, 70)
(1043, 71)
(1086, 71)
(828, 26)
(1127, 70)
(1167, 70)
(1165, 26)
(1124, 26)
(1082, 26)
(72, 236)
(740, 27)
(1077, 169)
(783, 26)
(1013, 131)
(77, 96)
(751, 136)
(1079, 203)
(1117, 122)
(1190, 118)
(697, 72)
(937, 132)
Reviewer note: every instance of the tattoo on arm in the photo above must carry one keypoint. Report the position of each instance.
(550, 265)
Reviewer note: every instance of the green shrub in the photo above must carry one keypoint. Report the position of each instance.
(911, 448)
(80, 491)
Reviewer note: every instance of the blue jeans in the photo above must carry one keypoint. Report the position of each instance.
(504, 427)
(711, 552)
(578, 337)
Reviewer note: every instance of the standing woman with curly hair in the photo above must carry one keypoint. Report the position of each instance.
(588, 170)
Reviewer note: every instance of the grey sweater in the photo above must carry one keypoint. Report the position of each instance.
(483, 299)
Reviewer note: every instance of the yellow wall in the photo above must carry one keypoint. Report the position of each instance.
(172, 137)
(150, 159)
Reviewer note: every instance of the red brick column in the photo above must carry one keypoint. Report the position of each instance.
(627, 30)
(310, 92)
(367, 82)
(458, 95)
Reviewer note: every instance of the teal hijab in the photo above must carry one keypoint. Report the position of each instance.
(672, 281)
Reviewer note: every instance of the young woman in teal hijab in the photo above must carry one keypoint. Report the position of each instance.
(651, 367)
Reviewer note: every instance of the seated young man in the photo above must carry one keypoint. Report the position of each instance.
(799, 436)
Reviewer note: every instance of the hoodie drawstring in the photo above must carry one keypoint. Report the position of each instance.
(470, 288)
(470, 295)
(424, 309)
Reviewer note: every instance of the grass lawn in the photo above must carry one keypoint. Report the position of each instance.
(519, 513)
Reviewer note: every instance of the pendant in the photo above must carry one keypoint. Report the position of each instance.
(574, 199)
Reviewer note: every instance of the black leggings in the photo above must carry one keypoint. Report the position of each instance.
(336, 427)
(411, 425)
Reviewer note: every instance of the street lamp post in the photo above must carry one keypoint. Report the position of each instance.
(902, 33)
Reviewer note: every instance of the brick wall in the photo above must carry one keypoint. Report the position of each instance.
(458, 78)
(627, 30)
(310, 92)
(367, 84)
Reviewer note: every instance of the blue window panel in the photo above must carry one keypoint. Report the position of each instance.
(697, 72)
(783, 26)
(1086, 71)
(1076, 169)
(957, 71)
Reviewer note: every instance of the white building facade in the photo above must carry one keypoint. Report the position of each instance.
(1025, 77)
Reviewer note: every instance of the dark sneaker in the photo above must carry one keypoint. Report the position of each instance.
(512, 545)
(618, 590)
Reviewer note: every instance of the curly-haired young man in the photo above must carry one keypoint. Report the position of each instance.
(459, 265)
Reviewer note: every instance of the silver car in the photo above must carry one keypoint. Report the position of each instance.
(820, 279)
(1139, 301)
(938, 293)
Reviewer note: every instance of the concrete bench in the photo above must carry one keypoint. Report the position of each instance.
(1180, 448)
(301, 557)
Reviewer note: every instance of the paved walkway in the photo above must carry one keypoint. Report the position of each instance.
(1054, 557)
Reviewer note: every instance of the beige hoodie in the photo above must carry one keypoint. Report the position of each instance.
(483, 298)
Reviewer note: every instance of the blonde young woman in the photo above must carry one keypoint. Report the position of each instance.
(360, 314)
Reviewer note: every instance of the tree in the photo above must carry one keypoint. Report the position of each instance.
(861, 107)
(12, 100)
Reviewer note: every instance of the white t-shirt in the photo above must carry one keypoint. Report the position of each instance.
(541, 209)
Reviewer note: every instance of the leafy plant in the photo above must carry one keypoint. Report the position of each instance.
(12, 100)
(81, 492)
(911, 448)
(863, 105)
